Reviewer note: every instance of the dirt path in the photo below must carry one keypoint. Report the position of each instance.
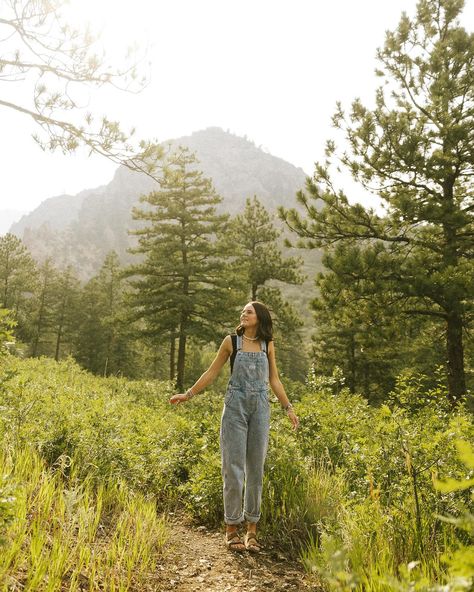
(197, 559)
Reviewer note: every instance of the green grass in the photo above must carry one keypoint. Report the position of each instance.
(351, 492)
(69, 532)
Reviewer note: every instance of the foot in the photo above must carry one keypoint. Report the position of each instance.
(233, 541)
(251, 542)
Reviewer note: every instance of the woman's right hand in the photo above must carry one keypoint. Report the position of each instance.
(176, 399)
(293, 418)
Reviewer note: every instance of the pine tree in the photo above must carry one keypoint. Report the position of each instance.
(44, 302)
(414, 150)
(89, 344)
(66, 310)
(362, 328)
(18, 275)
(181, 285)
(119, 333)
(6, 331)
(102, 340)
(17, 271)
(253, 237)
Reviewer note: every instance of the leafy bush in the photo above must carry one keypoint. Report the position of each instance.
(460, 561)
(388, 458)
(202, 493)
(6, 328)
(351, 490)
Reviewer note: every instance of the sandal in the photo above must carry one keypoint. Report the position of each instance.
(232, 540)
(251, 543)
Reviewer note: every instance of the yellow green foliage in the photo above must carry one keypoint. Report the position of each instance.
(352, 491)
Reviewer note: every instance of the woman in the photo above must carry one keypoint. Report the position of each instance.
(245, 419)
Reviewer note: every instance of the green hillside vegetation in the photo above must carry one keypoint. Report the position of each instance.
(177, 301)
(355, 480)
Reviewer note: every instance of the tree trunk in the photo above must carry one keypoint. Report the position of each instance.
(254, 292)
(58, 342)
(172, 355)
(352, 363)
(454, 338)
(184, 316)
(39, 325)
(5, 293)
(366, 376)
(455, 359)
(181, 354)
(59, 332)
(109, 354)
(5, 285)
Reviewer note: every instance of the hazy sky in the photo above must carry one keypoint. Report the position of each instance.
(269, 69)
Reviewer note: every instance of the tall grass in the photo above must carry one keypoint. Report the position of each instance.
(71, 532)
(351, 492)
(384, 529)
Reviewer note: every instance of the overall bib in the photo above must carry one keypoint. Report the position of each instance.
(245, 425)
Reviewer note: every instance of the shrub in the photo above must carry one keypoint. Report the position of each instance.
(352, 489)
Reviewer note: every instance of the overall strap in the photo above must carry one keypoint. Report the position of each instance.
(265, 346)
(236, 345)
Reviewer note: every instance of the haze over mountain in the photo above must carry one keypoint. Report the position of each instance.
(81, 229)
(7, 218)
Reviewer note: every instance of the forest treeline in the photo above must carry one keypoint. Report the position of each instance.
(399, 286)
(195, 269)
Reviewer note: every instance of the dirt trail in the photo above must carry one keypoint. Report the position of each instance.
(196, 559)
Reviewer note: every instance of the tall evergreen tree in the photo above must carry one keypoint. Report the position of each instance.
(43, 309)
(363, 329)
(17, 271)
(18, 275)
(110, 279)
(66, 310)
(104, 344)
(253, 237)
(415, 151)
(6, 330)
(89, 344)
(181, 288)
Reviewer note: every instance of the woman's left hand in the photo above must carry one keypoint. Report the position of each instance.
(181, 398)
(293, 418)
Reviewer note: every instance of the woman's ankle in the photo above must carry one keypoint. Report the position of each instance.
(252, 527)
(231, 527)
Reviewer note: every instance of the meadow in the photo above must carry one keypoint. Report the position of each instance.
(91, 466)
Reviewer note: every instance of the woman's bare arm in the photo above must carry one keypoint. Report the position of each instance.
(277, 386)
(211, 373)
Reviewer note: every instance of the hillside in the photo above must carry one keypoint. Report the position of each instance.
(81, 229)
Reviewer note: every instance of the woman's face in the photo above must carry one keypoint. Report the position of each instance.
(248, 317)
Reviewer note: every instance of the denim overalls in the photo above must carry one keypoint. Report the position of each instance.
(244, 433)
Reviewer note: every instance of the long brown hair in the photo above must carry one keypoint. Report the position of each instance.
(265, 323)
